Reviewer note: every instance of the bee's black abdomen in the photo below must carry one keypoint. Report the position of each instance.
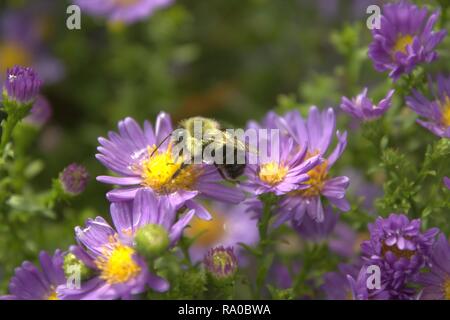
(234, 170)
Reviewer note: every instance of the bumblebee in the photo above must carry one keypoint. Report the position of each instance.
(198, 134)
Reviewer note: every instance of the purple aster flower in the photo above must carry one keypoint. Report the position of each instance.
(447, 182)
(132, 154)
(400, 249)
(32, 283)
(147, 208)
(287, 173)
(40, 113)
(122, 272)
(221, 262)
(22, 85)
(316, 133)
(405, 39)
(74, 179)
(229, 226)
(436, 282)
(22, 40)
(127, 11)
(363, 108)
(437, 111)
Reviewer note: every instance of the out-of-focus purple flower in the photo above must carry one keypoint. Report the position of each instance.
(447, 182)
(132, 154)
(74, 179)
(22, 37)
(311, 230)
(363, 108)
(405, 39)
(40, 113)
(22, 85)
(343, 240)
(436, 282)
(221, 262)
(437, 111)
(229, 226)
(316, 132)
(362, 189)
(400, 249)
(336, 285)
(127, 11)
(282, 276)
(32, 283)
(287, 173)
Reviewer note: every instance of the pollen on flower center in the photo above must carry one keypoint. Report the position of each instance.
(159, 169)
(445, 107)
(52, 295)
(117, 265)
(397, 252)
(272, 173)
(403, 41)
(207, 232)
(316, 182)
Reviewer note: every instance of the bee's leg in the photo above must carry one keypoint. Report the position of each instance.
(183, 165)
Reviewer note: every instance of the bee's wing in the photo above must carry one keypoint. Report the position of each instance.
(239, 144)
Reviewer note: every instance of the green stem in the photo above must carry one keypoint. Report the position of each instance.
(8, 126)
(264, 261)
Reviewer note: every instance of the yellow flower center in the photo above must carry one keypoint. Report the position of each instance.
(349, 295)
(445, 107)
(272, 173)
(158, 172)
(12, 54)
(207, 232)
(397, 252)
(447, 288)
(53, 295)
(117, 265)
(403, 41)
(317, 178)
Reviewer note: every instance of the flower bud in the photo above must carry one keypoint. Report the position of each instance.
(152, 240)
(220, 262)
(22, 85)
(73, 264)
(74, 179)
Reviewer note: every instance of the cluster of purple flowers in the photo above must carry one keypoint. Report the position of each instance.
(157, 197)
(400, 251)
